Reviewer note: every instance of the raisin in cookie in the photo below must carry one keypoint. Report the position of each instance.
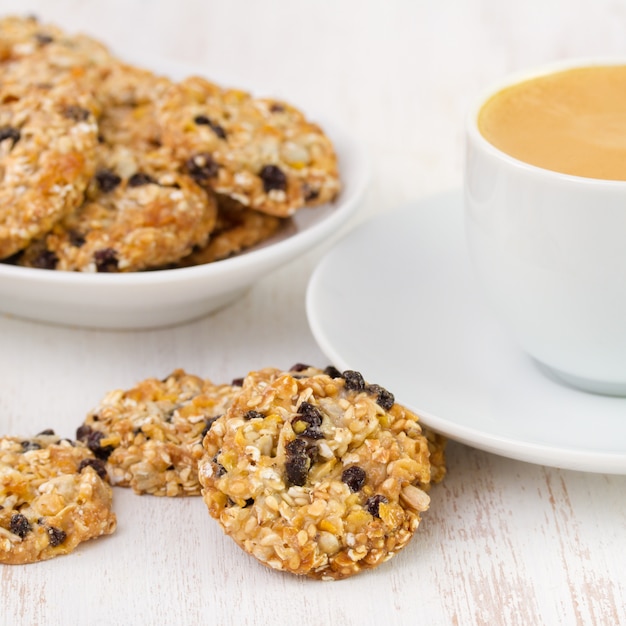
(316, 473)
(262, 153)
(53, 496)
(237, 228)
(151, 435)
(48, 138)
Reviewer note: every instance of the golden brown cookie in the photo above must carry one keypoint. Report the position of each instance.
(48, 138)
(33, 53)
(139, 211)
(263, 153)
(53, 496)
(136, 216)
(237, 229)
(128, 98)
(151, 435)
(316, 472)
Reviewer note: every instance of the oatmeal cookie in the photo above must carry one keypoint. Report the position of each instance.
(53, 496)
(237, 229)
(35, 53)
(151, 435)
(128, 97)
(23, 36)
(316, 472)
(48, 138)
(260, 152)
(137, 215)
(139, 211)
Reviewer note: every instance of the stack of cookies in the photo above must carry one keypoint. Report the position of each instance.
(108, 167)
(312, 472)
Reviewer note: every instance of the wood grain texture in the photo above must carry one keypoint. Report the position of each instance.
(504, 542)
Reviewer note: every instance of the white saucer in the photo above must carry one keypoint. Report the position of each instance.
(396, 300)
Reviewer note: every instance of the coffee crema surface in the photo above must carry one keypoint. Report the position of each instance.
(573, 121)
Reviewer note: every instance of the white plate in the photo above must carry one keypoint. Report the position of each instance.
(165, 297)
(396, 299)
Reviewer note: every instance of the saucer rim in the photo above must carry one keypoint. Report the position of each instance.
(565, 457)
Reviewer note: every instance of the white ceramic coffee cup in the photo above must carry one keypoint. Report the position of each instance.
(549, 250)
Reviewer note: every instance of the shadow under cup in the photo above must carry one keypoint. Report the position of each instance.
(549, 250)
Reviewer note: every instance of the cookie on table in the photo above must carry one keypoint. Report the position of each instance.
(151, 435)
(263, 153)
(48, 138)
(53, 496)
(316, 472)
(237, 229)
(437, 448)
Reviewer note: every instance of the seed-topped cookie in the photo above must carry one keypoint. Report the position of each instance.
(139, 212)
(136, 216)
(260, 152)
(35, 53)
(48, 137)
(128, 98)
(53, 496)
(21, 36)
(26, 36)
(317, 472)
(151, 435)
(237, 228)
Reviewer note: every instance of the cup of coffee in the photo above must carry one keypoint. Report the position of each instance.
(545, 216)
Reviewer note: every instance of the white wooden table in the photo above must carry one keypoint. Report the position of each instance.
(505, 542)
